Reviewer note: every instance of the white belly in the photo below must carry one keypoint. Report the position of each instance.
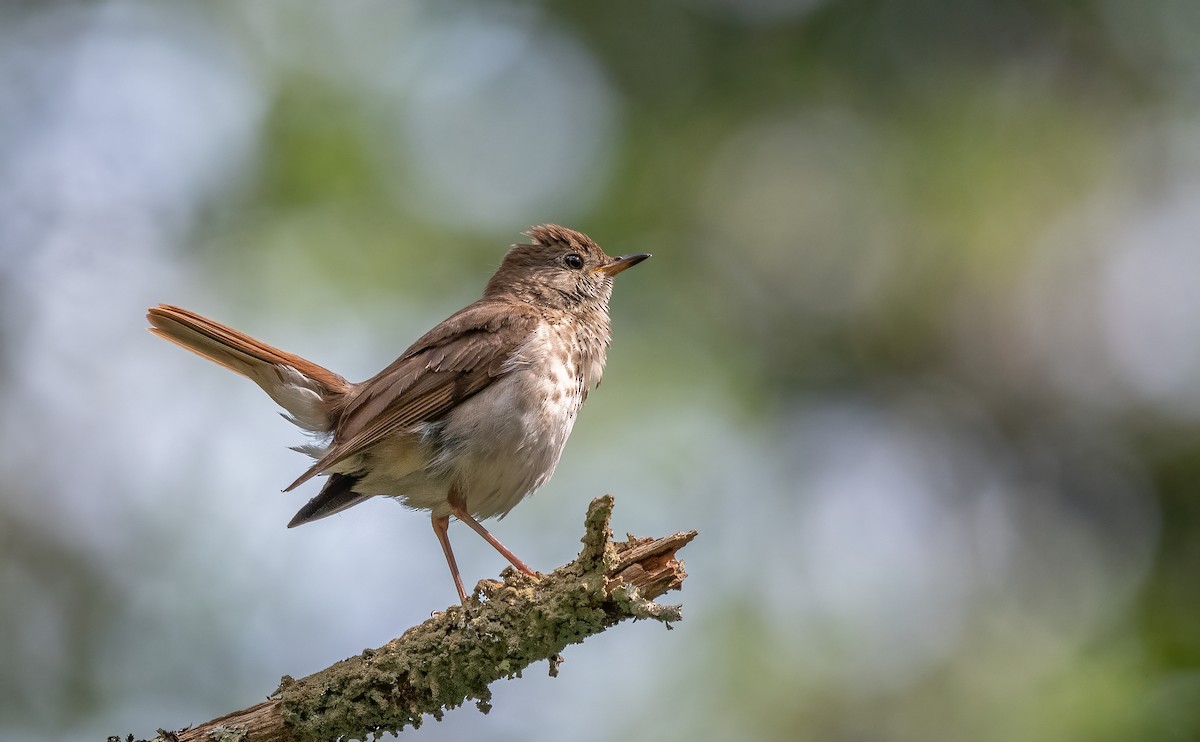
(494, 448)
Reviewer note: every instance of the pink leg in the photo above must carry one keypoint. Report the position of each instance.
(465, 517)
(440, 526)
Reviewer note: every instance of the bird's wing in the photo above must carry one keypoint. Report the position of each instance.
(453, 361)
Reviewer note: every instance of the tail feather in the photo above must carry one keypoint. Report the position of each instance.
(307, 391)
(337, 495)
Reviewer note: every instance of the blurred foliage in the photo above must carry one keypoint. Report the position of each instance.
(939, 435)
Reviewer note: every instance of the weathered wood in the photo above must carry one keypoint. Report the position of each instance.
(454, 656)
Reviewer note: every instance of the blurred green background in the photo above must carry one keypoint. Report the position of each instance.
(918, 353)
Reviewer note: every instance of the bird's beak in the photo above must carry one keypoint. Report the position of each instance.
(621, 263)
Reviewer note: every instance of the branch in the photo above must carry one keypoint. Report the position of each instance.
(453, 657)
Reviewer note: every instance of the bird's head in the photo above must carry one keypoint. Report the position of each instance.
(560, 268)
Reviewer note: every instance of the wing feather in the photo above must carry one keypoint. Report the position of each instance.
(458, 358)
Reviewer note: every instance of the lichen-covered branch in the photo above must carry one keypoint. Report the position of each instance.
(454, 656)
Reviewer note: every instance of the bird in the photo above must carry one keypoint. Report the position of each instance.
(469, 419)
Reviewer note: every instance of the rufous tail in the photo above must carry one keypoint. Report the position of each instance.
(307, 391)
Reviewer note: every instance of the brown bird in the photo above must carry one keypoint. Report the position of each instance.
(472, 417)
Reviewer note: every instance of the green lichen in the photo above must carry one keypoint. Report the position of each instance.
(221, 733)
(453, 657)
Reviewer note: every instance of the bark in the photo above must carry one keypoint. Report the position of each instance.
(453, 657)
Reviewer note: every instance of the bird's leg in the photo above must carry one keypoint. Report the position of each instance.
(461, 513)
(440, 526)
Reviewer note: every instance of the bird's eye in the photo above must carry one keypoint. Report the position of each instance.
(573, 261)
